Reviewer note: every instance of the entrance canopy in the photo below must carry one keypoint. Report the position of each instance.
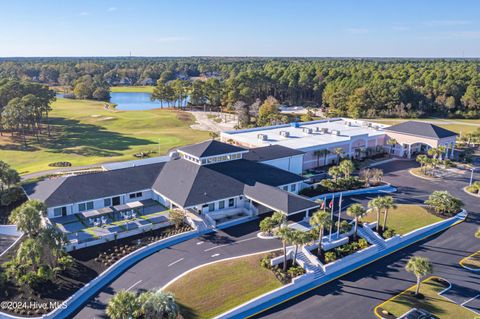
(278, 199)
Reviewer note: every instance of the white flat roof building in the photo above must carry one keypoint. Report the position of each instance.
(311, 136)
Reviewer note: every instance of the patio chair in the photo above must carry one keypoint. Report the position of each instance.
(90, 221)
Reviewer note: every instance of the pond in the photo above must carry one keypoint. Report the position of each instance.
(135, 101)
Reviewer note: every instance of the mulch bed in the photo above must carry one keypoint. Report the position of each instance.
(89, 263)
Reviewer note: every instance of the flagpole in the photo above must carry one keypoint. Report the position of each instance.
(331, 218)
(339, 215)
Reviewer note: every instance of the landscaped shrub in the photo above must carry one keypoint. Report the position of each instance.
(60, 164)
(345, 226)
(295, 271)
(265, 262)
(330, 256)
(389, 233)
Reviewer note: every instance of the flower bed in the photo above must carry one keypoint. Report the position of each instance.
(342, 251)
(284, 276)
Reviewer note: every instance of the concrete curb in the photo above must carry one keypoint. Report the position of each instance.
(469, 193)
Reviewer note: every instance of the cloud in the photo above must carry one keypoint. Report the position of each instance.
(170, 39)
(84, 13)
(357, 30)
(445, 23)
(111, 9)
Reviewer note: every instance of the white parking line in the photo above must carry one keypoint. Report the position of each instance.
(215, 255)
(134, 285)
(200, 242)
(470, 300)
(236, 242)
(176, 261)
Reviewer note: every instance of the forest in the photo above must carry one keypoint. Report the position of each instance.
(359, 88)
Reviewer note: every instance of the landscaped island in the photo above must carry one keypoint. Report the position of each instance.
(212, 289)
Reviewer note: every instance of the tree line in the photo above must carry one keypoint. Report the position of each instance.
(346, 87)
(24, 108)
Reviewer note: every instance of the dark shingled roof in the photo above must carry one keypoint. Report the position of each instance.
(270, 152)
(188, 184)
(185, 183)
(210, 148)
(421, 129)
(74, 189)
(278, 199)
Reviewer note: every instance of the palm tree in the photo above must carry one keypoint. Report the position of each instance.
(123, 305)
(285, 234)
(158, 305)
(387, 203)
(441, 151)
(376, 204)
(420, 267)
(434, 152)
(346, 167)
(422, 159)
(319, 221)
(356, 211)
(319, 153)
(392, 142)
(335, 172)
(339, 153)
(299, 238)
(27, 218)
(444, 203)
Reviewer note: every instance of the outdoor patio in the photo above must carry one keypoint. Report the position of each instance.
(95, 224)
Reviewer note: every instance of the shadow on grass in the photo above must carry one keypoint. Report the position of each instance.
(73, 137)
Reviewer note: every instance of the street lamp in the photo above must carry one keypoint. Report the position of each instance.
(471, 176)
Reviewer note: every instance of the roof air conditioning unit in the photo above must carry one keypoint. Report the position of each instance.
(262, 137)
(307, 130)
(348, 123)
(324, 130)
(337, 133)
(284, 133)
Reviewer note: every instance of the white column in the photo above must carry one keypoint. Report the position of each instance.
(409, 150)
(453, 149)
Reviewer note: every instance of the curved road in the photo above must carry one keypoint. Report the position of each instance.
(353, 296)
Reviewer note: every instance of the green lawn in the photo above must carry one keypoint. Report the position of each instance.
(433, 303)
(142, 89)
(84, 133)
(405, 218)
(216, 288)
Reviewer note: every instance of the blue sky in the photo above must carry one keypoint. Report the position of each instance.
(361, 28)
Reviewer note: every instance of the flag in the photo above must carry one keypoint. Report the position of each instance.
(323, 205)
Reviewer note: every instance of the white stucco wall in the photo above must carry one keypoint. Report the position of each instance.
(293, 164)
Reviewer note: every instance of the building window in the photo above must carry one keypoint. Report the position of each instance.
(81, 207)
(89, 205)
(107, 202)
(59, 211)
(231, 202)
(285, 188)
(85, 206)
(221, 204)
(293, 187)
(135, 195)
(211, 207)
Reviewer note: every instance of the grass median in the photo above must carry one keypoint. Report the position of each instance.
(430, 300)
(405, 218)
(213, 289)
